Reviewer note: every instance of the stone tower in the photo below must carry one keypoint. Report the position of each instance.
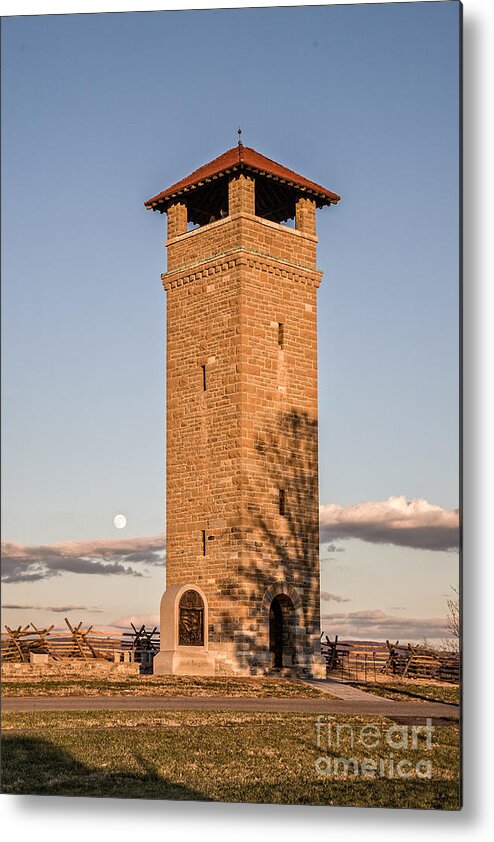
(242, 537)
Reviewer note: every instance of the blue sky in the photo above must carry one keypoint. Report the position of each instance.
(102, 111)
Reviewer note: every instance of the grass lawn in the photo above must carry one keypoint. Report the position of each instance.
(160, 685)
(409, 690)
(221, 756)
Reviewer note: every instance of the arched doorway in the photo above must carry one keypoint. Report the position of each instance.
(282, 631)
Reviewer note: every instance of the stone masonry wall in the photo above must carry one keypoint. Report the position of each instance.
(241, 301)
(203, 434)
(279, 448)
(227, 235)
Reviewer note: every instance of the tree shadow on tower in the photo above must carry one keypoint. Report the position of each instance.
(277, 584)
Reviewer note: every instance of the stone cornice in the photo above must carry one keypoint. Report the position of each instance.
(237, 257)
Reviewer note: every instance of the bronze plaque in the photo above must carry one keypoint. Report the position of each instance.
(191, 620)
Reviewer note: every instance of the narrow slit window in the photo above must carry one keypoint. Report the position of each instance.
(204, 381)
(281, 335)
(204, 542)
(282, 502)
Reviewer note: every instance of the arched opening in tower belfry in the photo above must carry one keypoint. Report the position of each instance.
(209, 203)
(275, 201)
(282, 631)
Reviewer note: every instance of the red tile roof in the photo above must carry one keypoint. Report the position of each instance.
(243, 157)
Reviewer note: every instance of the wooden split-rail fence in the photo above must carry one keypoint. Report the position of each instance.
(368, 660)
(79, 643)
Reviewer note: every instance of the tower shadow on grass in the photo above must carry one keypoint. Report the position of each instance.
(35, 766)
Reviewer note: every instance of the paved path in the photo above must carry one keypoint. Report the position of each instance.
(373, 705)
(340, 690)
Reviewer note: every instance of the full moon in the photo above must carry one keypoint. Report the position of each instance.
(120, 521)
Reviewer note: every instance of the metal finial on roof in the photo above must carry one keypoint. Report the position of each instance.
(239, 132)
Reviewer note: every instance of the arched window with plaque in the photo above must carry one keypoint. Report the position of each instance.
(191, 619)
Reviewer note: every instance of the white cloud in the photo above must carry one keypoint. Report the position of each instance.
(326, 596)
(374, 624)
(109, 557)
(56, 609)
(405, 523)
